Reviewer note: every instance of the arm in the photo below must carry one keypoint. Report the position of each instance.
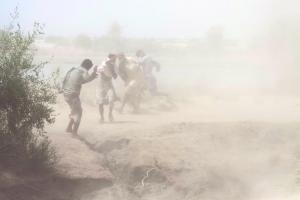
(89, 77)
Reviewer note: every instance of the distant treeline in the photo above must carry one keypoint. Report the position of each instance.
(276, 40)
(214, 42)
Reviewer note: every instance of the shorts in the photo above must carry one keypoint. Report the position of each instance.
(105, 92)
(75, 106)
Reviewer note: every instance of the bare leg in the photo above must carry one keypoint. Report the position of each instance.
(110, 115)
(75, 115)
(138, 101)
(124, 102)
(69, 128)
(75, 128)
(101, 111)
(77, 123)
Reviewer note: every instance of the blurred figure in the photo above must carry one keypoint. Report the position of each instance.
(147, 64)
(71, 87)
(122, 67)
(106, 94)
(132, 75)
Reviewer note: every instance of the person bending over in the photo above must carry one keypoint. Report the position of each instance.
(71, 89)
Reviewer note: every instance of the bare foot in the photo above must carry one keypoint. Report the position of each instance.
(111, 118)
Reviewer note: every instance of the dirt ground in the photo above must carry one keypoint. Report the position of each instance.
(213, 139)
(198, 148)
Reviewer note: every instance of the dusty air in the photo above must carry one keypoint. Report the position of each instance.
(149, 100)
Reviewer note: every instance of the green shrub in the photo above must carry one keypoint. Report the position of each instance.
(25, 100)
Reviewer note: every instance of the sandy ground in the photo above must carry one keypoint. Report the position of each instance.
(203, 148)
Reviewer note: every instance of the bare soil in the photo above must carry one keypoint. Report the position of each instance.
(199, 148)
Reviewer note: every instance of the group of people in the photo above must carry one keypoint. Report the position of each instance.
(136, 73)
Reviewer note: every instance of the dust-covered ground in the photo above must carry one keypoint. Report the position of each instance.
(201, 148)
(189, 146)
(228, 130)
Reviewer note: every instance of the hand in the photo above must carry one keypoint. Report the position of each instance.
(95, 69)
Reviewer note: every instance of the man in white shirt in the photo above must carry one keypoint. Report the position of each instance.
(106, 94)
(72, 83)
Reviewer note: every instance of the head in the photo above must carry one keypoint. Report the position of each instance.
(121, 57)
(112, 57)
(140, 53)
(87, 64)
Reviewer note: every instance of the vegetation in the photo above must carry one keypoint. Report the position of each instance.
(25, 101)
(214, 43)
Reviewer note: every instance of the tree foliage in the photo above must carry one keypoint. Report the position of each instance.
(25, 100)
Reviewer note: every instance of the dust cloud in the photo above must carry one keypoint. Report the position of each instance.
(229, 127)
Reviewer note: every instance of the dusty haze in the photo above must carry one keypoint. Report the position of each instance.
(230, 127)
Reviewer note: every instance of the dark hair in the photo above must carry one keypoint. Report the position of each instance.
(140, 53)
(112, 56)
(87, 63)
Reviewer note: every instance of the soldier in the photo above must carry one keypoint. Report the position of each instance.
(71, 88)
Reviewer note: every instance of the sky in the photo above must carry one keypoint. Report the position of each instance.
(143, 18)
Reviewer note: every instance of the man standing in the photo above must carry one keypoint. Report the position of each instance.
(147, 64)
(106, 94)
(73, 80)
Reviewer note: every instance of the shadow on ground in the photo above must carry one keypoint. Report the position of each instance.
(54, 188)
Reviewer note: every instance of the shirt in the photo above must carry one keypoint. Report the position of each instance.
(74, 78)
(106, 70)
(147, 64)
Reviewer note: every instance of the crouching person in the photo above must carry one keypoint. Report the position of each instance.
(106, 94)
(71, 87)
